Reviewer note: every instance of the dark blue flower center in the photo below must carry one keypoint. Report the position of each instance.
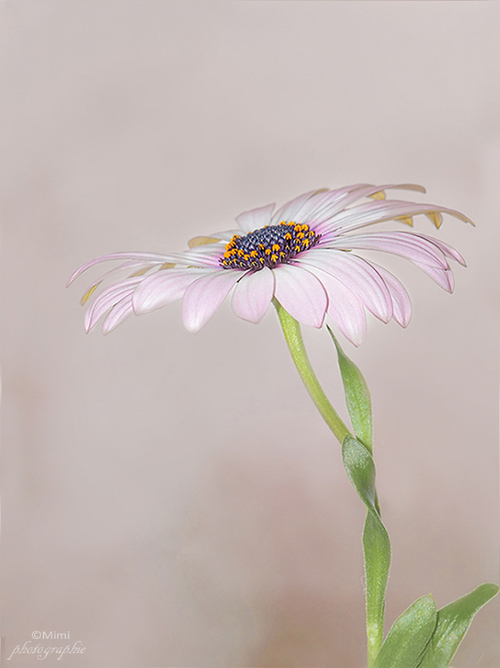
(268, 246)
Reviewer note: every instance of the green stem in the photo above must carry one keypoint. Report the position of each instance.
(373, 565)
(293, 336)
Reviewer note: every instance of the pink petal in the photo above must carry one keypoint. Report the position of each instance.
(443, 277)
(401, 304)
(344, 307)
(448, 250)
(405, 244)
(198, 257)
(108, 298)
(118, 314)
(301, 294)
(338, 200)
(203, 297)
(357, 274)
(252, 220)
(291, 211)
(152, 258)
(163, 288)
(253, 295)
(379, 211)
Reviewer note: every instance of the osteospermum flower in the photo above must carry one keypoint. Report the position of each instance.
(301, 255)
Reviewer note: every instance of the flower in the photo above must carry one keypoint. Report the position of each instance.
(301, 256)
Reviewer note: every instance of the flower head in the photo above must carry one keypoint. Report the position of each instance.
(301, 255)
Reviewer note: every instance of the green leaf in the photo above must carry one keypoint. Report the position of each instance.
(452, 623)
(409, 635)
(360, 469)
(357, 397)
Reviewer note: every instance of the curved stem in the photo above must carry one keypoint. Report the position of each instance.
(293, 336)
(376, 546)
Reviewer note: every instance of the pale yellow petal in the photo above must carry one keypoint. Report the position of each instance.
(89, 293)
(435, 217)
(408, 220)
(201, 241)
(378, 195)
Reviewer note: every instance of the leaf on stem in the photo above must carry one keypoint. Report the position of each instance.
(452, 623)
(357, 397)
(406, 641)
(360, 469)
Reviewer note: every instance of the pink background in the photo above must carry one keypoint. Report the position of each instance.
(175, 500)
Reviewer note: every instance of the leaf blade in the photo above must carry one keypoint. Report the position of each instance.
(452, 623)
(409, 635)
(357, 397)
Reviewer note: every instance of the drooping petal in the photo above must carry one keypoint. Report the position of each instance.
(448, 250)
(125, 266)
(379, 211)
(152, 258)
(203, 297)
(411, 246)
(118, 314)
(337, 200)
(107, 299)
(401, 304)
(163, 288)
(301, 294)
(344, 307)
(252, 295)
(357, 274)
(252, 220)
(443, 277)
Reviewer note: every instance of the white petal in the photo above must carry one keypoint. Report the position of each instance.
(163, 288)
(203, 297)
(253, 294)
(301, 294)
(252, 220)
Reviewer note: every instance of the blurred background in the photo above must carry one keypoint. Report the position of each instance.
(175, 500)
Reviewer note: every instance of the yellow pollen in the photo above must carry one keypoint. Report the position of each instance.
(274, 258)
(276, 247)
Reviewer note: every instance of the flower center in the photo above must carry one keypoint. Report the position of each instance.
(269, 246)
